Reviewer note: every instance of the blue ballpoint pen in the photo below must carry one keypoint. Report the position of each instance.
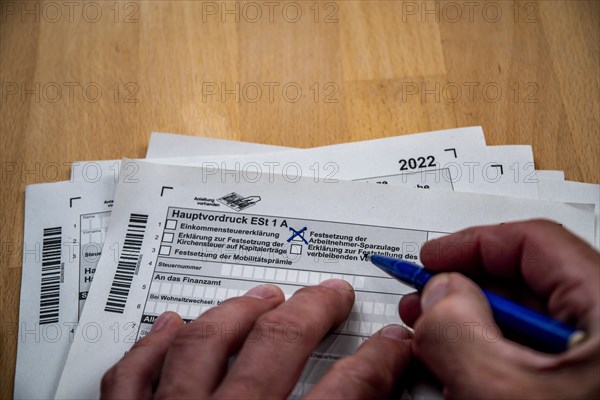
(549, 334)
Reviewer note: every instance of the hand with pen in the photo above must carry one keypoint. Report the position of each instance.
(537, 263)
(454, 333)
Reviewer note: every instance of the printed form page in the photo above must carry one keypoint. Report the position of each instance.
(189, 239)
(65, 227)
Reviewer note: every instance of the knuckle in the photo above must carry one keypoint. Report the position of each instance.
(190, 335)
(278, 320)
(245, 383)
(365, 377)
(282, 327)
(433, 321)
(458, 281)
(484, 235)
(146, 344)
(453, 308)
(111, 378)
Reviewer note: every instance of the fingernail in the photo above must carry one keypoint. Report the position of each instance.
(396, 332)
(338, 284)
(162, 320)
(435, 290)
(263, 291)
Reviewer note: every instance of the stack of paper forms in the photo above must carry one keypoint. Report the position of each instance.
(202, 220)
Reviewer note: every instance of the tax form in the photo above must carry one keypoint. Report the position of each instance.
(89, 215)
(188, 240)
(65, 226)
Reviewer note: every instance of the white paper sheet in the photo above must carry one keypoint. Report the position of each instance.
(65, 224)
(187, 219)
(174, 145)
(432, 162)
(550, 175)
(573, 192)
(169, 144)
(191, 150)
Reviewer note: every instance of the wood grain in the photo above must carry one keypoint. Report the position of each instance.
(356, 64)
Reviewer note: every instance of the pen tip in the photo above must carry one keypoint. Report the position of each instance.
(374, 257)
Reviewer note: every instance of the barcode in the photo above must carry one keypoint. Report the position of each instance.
(50, 289)
(119, 291)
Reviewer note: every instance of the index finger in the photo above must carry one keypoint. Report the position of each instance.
(554, 263)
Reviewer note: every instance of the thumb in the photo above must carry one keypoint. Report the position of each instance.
(457, 338)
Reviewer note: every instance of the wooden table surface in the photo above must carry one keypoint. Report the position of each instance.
(91, 80)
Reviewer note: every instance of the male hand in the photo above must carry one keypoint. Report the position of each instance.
(455, 334)
(273, 339)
